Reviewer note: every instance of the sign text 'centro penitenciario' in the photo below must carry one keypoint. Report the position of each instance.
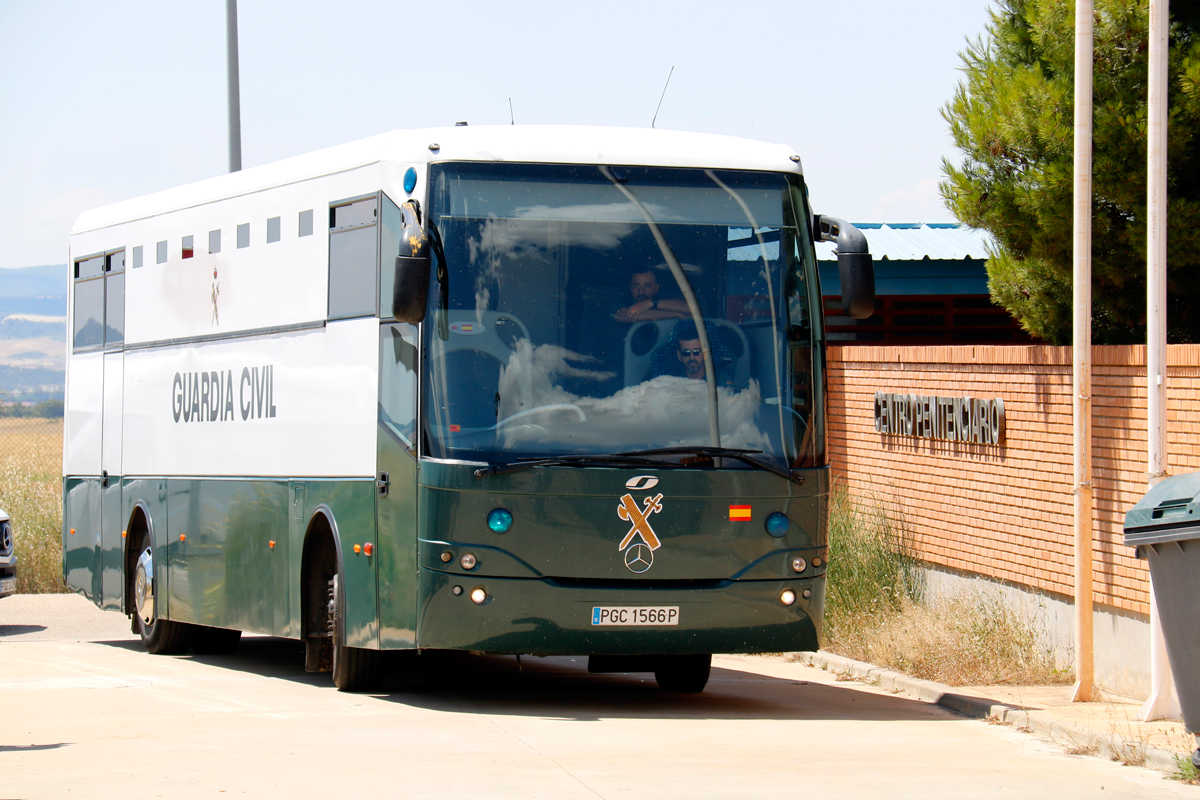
(956, 419)
(217, 396)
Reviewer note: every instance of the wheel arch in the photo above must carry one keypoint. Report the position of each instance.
(321, 540)
(140, 521)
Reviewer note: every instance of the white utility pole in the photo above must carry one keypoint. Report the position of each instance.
(234, 87)
(1082, 353)
(1163, 701)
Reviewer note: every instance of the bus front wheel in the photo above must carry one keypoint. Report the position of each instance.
(687, 673)
(354, 668)
(159, 636)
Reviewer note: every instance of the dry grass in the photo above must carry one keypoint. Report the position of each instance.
(876, 612)
(31, 493)
(962, 642)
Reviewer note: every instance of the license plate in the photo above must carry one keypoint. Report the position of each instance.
(8, 585)
(635, 616)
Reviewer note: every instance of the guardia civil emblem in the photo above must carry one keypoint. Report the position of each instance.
(640, 540)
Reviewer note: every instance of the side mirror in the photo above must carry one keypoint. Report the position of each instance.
(856, 272)
(411, 285)
(411, 288)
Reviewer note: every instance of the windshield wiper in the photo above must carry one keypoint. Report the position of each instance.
(590, 460)
(641, 458)
(745, 456)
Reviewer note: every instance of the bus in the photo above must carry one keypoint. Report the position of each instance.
(501, 389)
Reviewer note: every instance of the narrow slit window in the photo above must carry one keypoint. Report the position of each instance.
(214, 241)
(137, 256)
(272, 229)
(306, 223)
(160, 252)
(243, 235)
(188, 249)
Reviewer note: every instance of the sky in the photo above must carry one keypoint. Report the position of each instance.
(106, 101)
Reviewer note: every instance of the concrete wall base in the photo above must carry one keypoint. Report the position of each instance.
(1121, 639)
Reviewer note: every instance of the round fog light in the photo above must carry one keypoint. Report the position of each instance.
(787, 597)
(799, 565)
(499, 520)
(777, 524)
(467, 561)
(478, 596)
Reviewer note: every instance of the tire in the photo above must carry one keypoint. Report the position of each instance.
(159, 636)
(688, 674)
(214, 641)
(354, 669)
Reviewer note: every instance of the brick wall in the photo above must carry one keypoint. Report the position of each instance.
(1006, 511)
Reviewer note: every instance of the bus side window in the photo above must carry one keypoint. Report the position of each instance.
(353, 257)
(398, 382)
(114, 299)
(88, 323)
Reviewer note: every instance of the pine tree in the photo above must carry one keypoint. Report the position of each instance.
(1012, 118)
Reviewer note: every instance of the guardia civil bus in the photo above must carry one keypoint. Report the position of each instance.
(522, 390)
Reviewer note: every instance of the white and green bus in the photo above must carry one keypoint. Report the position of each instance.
(533, 390)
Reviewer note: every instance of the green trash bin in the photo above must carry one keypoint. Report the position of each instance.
(1165, 528)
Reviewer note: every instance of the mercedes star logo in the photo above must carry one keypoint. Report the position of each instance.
(639, 558)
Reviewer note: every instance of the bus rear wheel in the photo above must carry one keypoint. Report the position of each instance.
(686, 673)
(354, 669)
(159, 636)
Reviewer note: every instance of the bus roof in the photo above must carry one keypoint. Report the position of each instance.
(559, 144)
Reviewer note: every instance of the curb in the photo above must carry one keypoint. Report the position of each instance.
(1112, 747)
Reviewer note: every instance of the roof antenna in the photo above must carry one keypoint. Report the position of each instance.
(512, 120)
(664, 94)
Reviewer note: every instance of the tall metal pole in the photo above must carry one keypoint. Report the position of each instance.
(234, 89)
(1082, 352)
(1162, 702)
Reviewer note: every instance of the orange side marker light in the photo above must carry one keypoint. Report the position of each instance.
(72, 531)
(358, 548)
(123, 534)
(271, 543)
(183, 537)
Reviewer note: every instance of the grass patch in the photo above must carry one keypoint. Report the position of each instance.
(876, 611)
(31, 493)
(1186, 771)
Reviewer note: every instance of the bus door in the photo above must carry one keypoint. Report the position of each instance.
(396, 483)
(108, 576)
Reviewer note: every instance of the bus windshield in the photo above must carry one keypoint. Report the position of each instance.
(592, 309)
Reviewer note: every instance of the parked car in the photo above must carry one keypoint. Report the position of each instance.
(8, 558)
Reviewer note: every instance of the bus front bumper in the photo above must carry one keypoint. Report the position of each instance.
(543, 617)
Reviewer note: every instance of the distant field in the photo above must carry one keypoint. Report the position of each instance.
(31, 493)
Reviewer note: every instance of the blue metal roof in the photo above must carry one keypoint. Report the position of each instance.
(915, 241)
(923, 258)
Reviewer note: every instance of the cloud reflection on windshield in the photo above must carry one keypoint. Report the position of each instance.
(662, 411)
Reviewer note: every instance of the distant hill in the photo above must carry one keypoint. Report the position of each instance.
(34, 290)
(33, 332)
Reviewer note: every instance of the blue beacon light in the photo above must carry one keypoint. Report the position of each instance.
(777, 524)
(499, 520)
(410, 180)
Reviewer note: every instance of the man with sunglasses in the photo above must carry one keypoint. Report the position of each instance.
(687, 349)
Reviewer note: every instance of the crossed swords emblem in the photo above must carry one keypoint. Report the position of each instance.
(639, 519)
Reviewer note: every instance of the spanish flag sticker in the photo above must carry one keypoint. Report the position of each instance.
(739, 513)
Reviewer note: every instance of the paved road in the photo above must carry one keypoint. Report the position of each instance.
(85, 713)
